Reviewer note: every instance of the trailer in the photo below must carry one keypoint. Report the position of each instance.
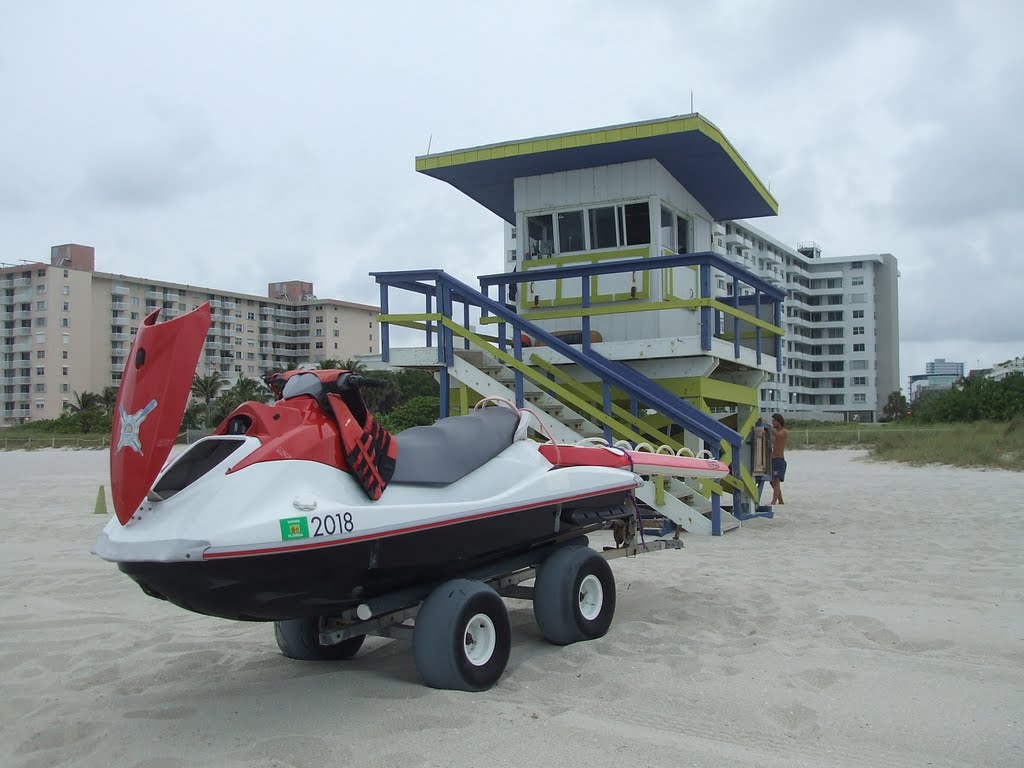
(460, 630)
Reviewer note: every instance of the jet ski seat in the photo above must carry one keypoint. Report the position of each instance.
(453, 447)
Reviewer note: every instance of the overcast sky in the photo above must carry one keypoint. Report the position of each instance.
(231, 144)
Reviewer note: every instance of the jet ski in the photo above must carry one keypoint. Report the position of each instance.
(305, 508)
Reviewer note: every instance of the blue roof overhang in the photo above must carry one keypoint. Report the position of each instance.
(690, 148)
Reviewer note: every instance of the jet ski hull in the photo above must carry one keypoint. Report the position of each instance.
(324, 580)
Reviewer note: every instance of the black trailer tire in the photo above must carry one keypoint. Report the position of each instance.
(300, 639)
(574, 596)
(463, 637)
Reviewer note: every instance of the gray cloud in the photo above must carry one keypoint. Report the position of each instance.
(233, 144)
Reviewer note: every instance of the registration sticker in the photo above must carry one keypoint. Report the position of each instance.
(294, 528)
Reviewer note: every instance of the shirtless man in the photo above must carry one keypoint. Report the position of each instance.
(780, 436)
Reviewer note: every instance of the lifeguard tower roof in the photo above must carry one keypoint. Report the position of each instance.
(689, 147)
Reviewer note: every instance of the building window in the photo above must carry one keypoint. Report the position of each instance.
(64, 354)
(858, 280)
(858, 314)
(858, 347)
(319, 332)
(248, 315)
(40, 322)
(40, 338)
(65, 323)
(41, 387)
(860, 397)
(67, 290)
(40, 371)
(858, 365)
(65, 388)
(858, 298)
(860, 381)
(135, 301)
(40, 306)
(319, 345)
(858, 265)
(337, 333)
(319, 318)
(66, 338)
(41, 288)
(65, 307)
(636, 223)
(858, 330)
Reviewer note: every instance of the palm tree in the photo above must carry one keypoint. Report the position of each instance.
(246, 389)
(86, 401)
(108, 399)
(352, 365)
(329, 364)
(208, 388)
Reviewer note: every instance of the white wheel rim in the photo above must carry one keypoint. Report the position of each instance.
(591, 597)
(480, 639)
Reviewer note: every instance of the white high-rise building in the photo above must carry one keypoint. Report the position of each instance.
(841, 353)
(66, 328)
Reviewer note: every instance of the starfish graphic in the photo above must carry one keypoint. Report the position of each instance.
(130, 423)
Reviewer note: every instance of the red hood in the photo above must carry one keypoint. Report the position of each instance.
(155, 387)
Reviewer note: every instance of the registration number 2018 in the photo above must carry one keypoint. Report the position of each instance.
(329, 525)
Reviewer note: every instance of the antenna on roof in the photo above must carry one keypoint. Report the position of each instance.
(430, 139)
(691, 101)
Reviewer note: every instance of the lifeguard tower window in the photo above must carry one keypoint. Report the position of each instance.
(675, 232)
(602, 228)
(636, 223)
(541, 233)
(570, 232)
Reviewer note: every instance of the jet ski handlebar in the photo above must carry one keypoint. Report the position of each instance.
(355, 381)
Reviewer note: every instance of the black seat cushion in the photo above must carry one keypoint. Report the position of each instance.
(453, 447)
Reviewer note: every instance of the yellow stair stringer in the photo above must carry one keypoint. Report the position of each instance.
(597, 415)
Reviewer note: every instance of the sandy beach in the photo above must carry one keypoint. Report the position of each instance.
(877, 621)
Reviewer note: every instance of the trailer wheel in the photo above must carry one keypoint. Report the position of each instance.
(300, 639)
(574, 596)
(462, 636)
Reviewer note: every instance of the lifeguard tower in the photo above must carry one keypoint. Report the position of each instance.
(612, 314)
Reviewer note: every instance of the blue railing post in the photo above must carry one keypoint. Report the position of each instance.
(430, 325)
(585, 304)
(501, 325)
(385, 328)
(465, 321)
(517, 351)
(705, 312)
(716, 498)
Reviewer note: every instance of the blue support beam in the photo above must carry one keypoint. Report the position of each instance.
(705, 312)
(385, 328)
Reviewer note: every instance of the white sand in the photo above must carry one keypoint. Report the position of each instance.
(878, 621)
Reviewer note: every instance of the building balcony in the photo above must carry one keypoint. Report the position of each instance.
(5, 300)
(23, 330)
(23, 297)
(152, 293)
(21, 314)
(120, 337)
(22, 282)
(120, 306)
(120, 290)
(12, 380)
(22, 347)
(22, 397)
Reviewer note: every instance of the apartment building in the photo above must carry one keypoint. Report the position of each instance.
(67, 328)
(841, 357)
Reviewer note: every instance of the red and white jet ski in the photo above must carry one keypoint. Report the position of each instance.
(305, 508)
